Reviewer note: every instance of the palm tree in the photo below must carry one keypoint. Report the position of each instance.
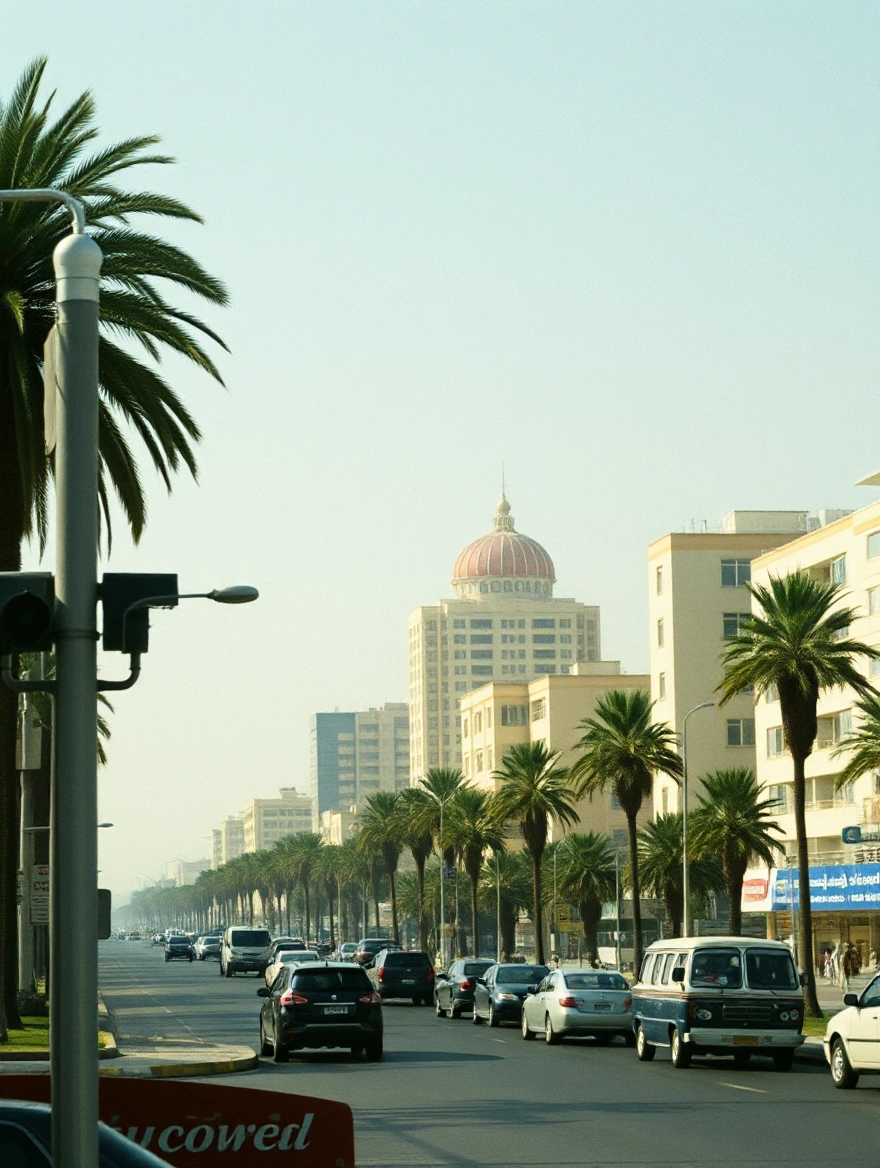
(416, 815)
(661, 860)
(329, 871)
(863, 742)
(586, 875)
(303, 858)
(440, 784)
(35, 152)
(799, 645)
(623, 749)
(506, 876)
(476, 829)
(381, 832)
(533, 790)
(732, 822)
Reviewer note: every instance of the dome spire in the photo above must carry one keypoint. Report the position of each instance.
(503, 519)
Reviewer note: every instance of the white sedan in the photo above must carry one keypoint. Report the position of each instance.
(852, 1037)
(594, 1002)
(289, 957)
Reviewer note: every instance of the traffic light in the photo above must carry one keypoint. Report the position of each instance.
(127, 629)
(27, 612)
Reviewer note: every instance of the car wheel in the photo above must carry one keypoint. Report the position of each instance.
(681, 1053)
(357, 1049)
(438, 1009)
(603, 1039)
(416, 1001)
(742, 1058)
(493, 1018)
(842, 1072)
(477, 1020)
(783, 1060)
(550, 1035)
(455, 1011)
(280, 1053)
(374, 1051)
(527, 1034)
(643, 1048)
(265, 1047)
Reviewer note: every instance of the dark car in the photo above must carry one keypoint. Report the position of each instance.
(500, 992)
(398, 973)
(272, 950)
(178, 945)
(26, 1140)
(332, 1004)
(454, 989)
(370, 946)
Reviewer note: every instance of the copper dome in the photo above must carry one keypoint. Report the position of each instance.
(504, 552)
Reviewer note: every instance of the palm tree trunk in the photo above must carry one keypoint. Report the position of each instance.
(393, 880)
(306, 891)
(638, 952)
(537, 911)
(591, 915)
(508, 929)
(420, 879)
(332, 922)
(475, 924)
(734, 894)
(805, 912)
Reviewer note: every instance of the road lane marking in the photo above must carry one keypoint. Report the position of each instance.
(499, 1040)
(740, 1087)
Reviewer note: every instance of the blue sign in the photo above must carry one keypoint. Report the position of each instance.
(840, 887)
(851, 835)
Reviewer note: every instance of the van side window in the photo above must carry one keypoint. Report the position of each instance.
(645, 975)
(667, 967)
(658, 968)
(680, 961)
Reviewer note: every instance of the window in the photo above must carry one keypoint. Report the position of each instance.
(459, 655)
(661, 687)
(539, 710)
(459, 639)
(481, 639)
(481, 670)
(735, 622)
(838, 570)
(489, 762)
(775, 742)
(874, 545)
(479, 761)
(478, 722)
(740, 731)
(459, 624)
(543, 623)
(544, 639)
(874, 601)
(545, 669)
(771, 693)
(660, 633)
(565, 639)
(874, 667)
(781, 795)
(720, 968)
(464, 727)
(735, 573)
(544, 654)
(482, 654)
(514, 715)
(565, 624)
(481, 624)
(659, 578)
(841, 725)
(664, 801)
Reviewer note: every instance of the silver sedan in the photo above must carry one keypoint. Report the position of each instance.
(593, 1002)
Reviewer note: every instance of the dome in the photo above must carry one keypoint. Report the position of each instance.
(503, 554)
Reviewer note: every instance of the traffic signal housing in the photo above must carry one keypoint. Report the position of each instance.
(27, 612)
(127, 629)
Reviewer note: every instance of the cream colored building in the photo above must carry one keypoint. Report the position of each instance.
(216, 847)
(504, 626)
(266, 820)
(184, 872)
(697, 597)
(231, 838)
(548, 709)
(338, 826)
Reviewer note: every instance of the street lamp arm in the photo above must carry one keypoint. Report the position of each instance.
(135, 672)
(50, 195)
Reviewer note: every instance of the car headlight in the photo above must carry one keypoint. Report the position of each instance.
(703, 1014)
(794, 1015)
(508, 998)
(784, 1016)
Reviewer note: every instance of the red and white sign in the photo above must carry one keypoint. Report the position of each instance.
(756, 890)
(198, 1125)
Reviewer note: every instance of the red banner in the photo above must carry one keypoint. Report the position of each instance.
(206, 1124)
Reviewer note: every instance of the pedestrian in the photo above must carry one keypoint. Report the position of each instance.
(829, 965)
(845, 967)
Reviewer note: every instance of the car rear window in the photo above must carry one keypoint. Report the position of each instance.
(596, 981)
(407, 959)
(178, 940)
(522, 974)
(477, 968)
(249, 937)
(321, 978)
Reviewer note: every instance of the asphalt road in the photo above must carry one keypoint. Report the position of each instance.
(449, 1093)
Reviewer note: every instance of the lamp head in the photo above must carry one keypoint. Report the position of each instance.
(237, 594)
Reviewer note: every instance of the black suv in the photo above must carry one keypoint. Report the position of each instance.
(178, 945)
(397, 973)
(320, 1005)
(370, 946)
(455, 988)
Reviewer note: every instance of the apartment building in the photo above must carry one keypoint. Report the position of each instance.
(266, 820)
(550, 709)
(355, 754)
(216, 847)
(697, 598)
(231, 838)
(504, 625)
(184, 872)
(338, 826)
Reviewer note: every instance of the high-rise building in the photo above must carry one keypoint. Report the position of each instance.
(504, 624)
(216, 847)
(266, 820)
(183, 872)
(697, 597)
(231, 838)
(353, 755)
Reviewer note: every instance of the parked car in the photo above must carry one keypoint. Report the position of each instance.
(592, 1002)
(718, 995)
(328, 1005)
(288, 957)
(852, 1037)
(454, 988)
(243, 950)
(501, 991)
(398, 973)
(370, 946)
(178, 945)
(206, 947)
(26, 1140)
(346, 951)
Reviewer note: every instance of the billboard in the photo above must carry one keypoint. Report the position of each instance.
(833, 888)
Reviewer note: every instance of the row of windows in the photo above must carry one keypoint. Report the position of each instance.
(734, 574)
(537, 623)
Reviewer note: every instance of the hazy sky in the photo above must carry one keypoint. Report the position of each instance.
(630, 248)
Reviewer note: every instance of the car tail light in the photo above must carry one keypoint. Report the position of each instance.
(292, 998)
(627, 1003)
(370, 999)
(568, 1003)
(381, 973)
(466, 985)
(430, 973)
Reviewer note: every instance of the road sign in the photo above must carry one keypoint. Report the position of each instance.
(855, 835)
(200, 1124)
(39, 882)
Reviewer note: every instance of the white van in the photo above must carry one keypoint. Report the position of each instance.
(244, 949)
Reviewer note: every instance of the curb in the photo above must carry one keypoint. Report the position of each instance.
(186, 1070)
(109, 1051)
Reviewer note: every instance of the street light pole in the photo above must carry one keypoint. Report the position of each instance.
(686, 875)
(498, 953)
(617, 898)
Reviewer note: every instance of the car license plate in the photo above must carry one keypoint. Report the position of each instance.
(745, 1040)
(601, 1006)
(409, 981)
(336, 1009)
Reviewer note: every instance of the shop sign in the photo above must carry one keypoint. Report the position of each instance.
(833, 887)
(200, 1124)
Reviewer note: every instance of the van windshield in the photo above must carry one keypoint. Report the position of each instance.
(717, 968)
(769, 969)
(249, 938)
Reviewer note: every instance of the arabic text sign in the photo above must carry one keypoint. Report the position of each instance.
(832, 888)
(198, 1125)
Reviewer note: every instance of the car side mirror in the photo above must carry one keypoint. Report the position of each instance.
(532, 989)
(850, 999)
(264, 992)
(678, 975)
